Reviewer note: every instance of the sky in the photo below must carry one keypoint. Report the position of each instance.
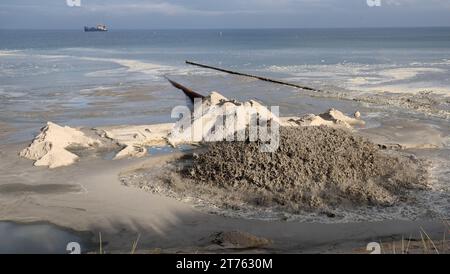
(181, 14)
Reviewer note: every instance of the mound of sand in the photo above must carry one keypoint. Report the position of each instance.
(209, 117)
(314, 168)
(208, 125)
(135, 139)
(49, 147)
(215, 105)
(331, 118)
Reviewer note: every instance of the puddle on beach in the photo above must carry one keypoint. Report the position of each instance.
(38, 238)
(154, 151)
(169, 149)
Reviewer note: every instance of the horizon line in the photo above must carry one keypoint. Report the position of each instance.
(243, 28)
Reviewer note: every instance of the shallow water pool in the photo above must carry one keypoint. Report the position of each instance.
(37, 238)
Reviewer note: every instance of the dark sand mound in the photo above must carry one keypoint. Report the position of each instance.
(314, 168)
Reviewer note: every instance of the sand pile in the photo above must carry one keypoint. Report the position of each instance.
(314, 168)
(208, 119)
(331, 118)
(206, 123)
(135, 139)
(49, 147)
(211, 120)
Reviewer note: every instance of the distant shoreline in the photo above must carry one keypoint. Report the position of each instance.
(249, 29)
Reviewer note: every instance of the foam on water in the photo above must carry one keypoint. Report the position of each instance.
(29, 64)
(11, 94)
(376, 77)
(150, 69)
(6, 53)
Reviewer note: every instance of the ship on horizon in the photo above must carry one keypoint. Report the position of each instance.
(99, 27)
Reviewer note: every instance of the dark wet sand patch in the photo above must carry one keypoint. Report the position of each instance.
(39, 189)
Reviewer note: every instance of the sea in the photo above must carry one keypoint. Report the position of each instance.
(118, 77)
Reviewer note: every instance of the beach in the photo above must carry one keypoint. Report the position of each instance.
(93, 200)
(115, 100)
(89, 196)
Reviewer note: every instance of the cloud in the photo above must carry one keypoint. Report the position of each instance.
(162, 7)
(419, 4)
(225, 13)
(233, 7)
(220, 7)
(172, 9)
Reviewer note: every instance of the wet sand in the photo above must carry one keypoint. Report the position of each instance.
(88, 196)
(103, 204)
(410, 134)
(5, 130)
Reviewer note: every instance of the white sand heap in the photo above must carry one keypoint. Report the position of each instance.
(205, 124)
(135, 139)
(49, 147)
(195, 128)
(209, 120)
(331, 118)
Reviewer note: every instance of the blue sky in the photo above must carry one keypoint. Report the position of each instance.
(158, 14)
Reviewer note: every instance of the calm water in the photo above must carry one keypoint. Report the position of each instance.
(116, 77)
(38, 238)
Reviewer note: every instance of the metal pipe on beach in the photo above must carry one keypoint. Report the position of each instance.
(252, 76)
(187, 91)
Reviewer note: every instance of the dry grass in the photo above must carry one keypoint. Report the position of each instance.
(424, 245)
(100, 243)
(135, 243)
(410, 245)
(101, 249)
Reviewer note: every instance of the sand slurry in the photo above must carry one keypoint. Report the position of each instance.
(314, 168)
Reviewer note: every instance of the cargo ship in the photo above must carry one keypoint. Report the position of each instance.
(99, 27)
